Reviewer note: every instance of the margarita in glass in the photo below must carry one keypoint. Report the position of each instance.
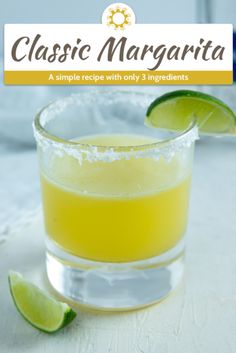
(122, 211)
(115, 199)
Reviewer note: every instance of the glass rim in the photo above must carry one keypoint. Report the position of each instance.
(39, 129)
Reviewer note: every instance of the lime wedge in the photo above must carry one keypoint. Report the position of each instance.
(40, 310)
(175, 111)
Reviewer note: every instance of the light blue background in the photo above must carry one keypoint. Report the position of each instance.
(89, 11)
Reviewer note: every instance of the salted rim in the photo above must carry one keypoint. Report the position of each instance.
(46, 139)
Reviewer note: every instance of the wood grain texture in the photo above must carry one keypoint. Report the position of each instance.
(200, 316)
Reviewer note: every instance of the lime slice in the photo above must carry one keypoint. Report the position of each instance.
(39, 309)
(175, 111)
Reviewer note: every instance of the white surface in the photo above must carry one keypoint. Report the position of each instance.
(199, 317)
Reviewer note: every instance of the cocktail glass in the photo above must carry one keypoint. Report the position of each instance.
(115, 198)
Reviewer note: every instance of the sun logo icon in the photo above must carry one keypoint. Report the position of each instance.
(118, 16)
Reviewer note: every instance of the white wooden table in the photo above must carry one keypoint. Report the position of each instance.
(199, 317)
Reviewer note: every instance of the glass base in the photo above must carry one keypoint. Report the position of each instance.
(110, 286)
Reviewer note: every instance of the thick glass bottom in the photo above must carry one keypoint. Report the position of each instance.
(110, 286)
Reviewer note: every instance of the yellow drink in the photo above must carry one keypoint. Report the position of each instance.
(118, 211)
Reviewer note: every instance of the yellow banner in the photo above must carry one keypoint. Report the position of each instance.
(118, 77)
